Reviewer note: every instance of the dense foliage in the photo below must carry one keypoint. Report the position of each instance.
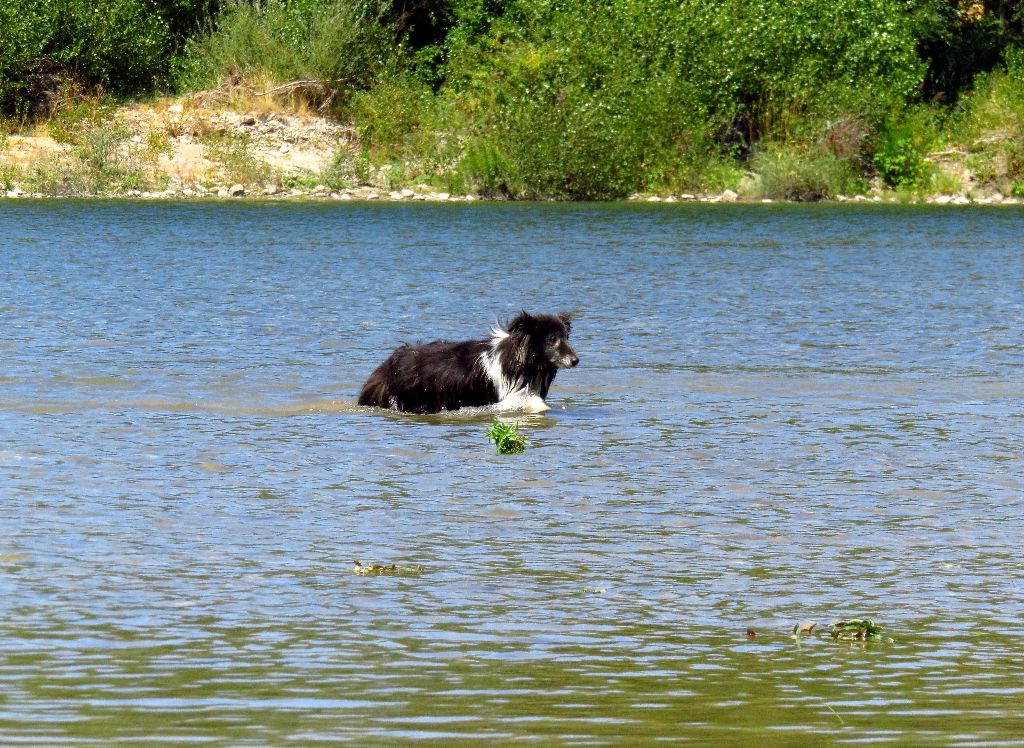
(340, 42)
(594, 99)
(562, 98)
(123, 46)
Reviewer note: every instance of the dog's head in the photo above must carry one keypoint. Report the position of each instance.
(547, 335)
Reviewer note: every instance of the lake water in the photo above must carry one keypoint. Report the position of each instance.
(781, 413)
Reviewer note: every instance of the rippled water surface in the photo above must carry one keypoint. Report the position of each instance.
(781, 413)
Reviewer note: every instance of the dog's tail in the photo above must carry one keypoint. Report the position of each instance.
(375, 392)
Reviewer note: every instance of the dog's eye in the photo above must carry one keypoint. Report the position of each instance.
(552, 339)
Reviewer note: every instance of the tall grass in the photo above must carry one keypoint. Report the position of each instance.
(991, 122)
(235, 158)
(803, 173)
(100, 158)
(9, 173)
(337, 42)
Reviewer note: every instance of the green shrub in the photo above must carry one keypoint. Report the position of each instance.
(398, 118)
(25, 28)
(80, 114)
(997, 105)
(410, 133)
(341, 172)
(941, 182)
(588, 113)
(990, 121)
(49, 176)
(482, 169)
(106, 161)
(899, 161)
(123, 47)
(101, 159)
(336, 41)
(788, 172)
(9, 175)
(903, 143)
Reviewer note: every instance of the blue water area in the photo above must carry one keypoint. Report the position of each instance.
(781, 413)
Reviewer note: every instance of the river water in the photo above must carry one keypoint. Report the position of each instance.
(781, 413)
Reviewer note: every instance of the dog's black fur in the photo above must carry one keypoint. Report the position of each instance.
(519, 361)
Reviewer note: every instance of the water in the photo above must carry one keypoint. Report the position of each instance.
(781, 413)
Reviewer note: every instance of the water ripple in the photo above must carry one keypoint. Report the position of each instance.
(781, 413)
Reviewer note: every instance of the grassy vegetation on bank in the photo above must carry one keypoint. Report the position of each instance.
(600, 99)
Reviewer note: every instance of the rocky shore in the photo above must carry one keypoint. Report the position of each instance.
(730, 196)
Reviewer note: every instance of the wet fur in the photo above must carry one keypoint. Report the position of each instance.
(517, 364)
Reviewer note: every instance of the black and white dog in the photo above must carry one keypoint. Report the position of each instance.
(512, 370)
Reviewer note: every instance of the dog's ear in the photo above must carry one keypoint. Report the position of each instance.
(521, 323)
(566, 318)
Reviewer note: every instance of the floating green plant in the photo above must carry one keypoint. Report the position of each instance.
(854, 630)
(857, 629)
(506, 438)
(377, 570)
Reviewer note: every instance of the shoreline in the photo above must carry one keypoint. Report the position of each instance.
(239, 193)
(190, 149)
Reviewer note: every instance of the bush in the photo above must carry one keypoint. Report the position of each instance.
(899, 161)
(482, 169)
(122, 46)
(76, 115)
(395, 116)
(25, 28)
(335, 41)
(9, 174)
(589, 112)
(899, 156)
(788, 172)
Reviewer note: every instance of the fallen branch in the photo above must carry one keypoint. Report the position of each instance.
(324, 88)
(312, 83)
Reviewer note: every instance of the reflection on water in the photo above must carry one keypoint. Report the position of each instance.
(781, 413)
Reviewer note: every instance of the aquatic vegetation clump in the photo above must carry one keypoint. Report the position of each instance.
(506, 438)
(852, 630)
(390, 570)
(857, 629)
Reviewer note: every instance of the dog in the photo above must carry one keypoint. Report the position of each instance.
(513, 370)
